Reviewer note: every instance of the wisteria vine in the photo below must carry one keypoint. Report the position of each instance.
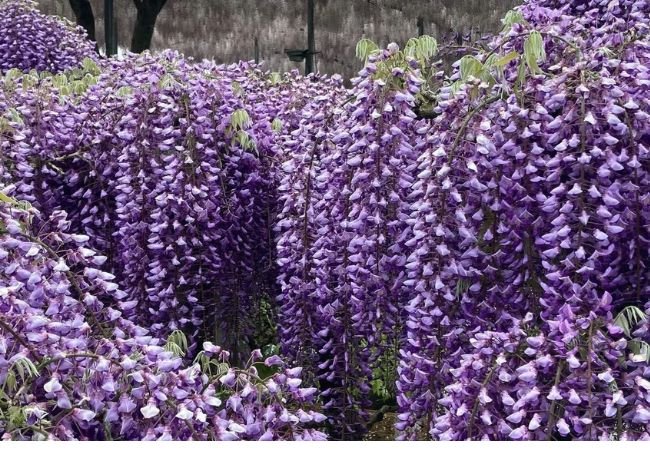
(473, 245)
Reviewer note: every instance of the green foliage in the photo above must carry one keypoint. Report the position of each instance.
(276, 125)
(240, 120)
(471, 67)
(422, 48)
(629, 318)
(534, 51)
(275, 78)
(20, 372)
(177, 343)
(365, 49)
(384, 373)
(512, 17)
(210, 366)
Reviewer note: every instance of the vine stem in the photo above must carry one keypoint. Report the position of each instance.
(465, 123)
(472, 417)
(8, 328)
(552, 416)
(543, 33)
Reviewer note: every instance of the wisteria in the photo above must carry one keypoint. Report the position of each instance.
(470, 248)
(30, 40)
(521, 240)
(535, 199)
(74, 368)
(168, 167)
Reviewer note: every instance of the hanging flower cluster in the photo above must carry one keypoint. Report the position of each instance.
(72, 367)
(346, 178)
(168, 166)
(504, 243)
(533, 200)
(30, 40)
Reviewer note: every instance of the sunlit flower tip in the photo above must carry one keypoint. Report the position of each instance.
(273, 360)
(267, 436)
(201, 416)
(563, 427)
(256, 355)
(213, 401)
(515, 417)
(294, 382)
(52, 386)
(237, 428)
(618, 398)
(294, 372)
(61, 266)
(150, 410)
(229, 378)
(483, 397)
(393, 47)
(643, 383)
(573, 362)
(518, 433)
(184, 414)
(84, 414)
(272, 386)
(641, 415)
(554, 394)
(209, 347)
(574, 398)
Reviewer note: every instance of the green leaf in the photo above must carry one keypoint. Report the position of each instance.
(512, 17)
(629, 318)
(410, 49)
(4, 198)
(470, 67)
(24, 369)
(275, 78)
(365, 48)
(240, 119)
(124, 91)
(90, 66)
(504, 60)
(276, 125)
(427, 47)
(177, 343)
(534, 51)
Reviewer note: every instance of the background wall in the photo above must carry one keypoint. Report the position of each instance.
(225, 30)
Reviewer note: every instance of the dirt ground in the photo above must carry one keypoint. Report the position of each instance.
(383, 430)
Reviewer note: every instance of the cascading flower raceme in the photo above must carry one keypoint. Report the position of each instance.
(534, 194)
(72, 367)
(168, 166)
(525, 203)
(30, 40)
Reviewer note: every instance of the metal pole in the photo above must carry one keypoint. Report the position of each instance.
(311, 40)
(110, 29)
(420, 26)
(257, 51)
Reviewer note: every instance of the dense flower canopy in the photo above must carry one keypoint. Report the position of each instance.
(473, 246)
(30, 40)
(511, 232)
(72, 367)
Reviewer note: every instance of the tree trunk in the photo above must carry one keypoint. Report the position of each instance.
(83, 12)
(145, 23)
